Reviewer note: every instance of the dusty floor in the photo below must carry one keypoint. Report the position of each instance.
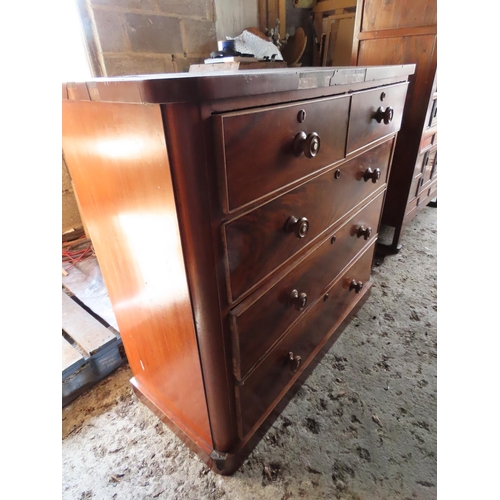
(362, 427)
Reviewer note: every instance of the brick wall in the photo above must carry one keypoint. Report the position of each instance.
(152, 36)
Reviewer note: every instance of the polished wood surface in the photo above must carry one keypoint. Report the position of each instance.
(258, 323)
(396, 15)
(258, 146)
(193, 196)
(117, 157)
(152, 180)
(261, 389)
(364, 127)
(191, 87)
(257, 242)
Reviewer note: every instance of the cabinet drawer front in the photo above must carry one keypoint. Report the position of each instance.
(262, 388)
(430, 165)
(415, 185)
(258, 324)
(258, 242)
(258, 146)
(369, 107)
(434, 113)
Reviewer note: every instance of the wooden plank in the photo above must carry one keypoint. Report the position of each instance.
(334, 5)
(70, 356)
(325, 47)
(87, 332)
(282, 18)
(341, 55)
(262, 15)
(399, 32)
(318, 28)
(86, 283)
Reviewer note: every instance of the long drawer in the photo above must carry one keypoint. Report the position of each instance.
(264, 385)
(268, 148)
(258, 322)
(375, 114)
(262, 240)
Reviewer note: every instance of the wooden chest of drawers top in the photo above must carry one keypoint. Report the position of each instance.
(260, 194)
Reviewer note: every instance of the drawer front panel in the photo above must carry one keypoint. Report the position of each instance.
(262, 240)
(369, 107)
(434, 113)
(415, 185)
(258, 146)
(264, 385)
(259, 325)
(429, 171)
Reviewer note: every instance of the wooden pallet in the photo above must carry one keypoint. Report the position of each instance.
(91, 347)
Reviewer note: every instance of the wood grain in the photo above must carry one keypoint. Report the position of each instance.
(381, 15)
(258, 324)
(258, 146)
(363, 127)
(261, 389)
(118, 160)
(257, 242)
(84, 328)
(70, 356)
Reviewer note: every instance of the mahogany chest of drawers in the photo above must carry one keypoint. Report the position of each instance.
(234, 218)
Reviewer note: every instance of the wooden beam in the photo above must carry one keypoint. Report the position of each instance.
(282, 18)
(263, 15)
(398, 32)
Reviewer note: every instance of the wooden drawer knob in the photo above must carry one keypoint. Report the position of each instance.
(294, 362)
(374, 175)
(365, 232)
(384, 115)
(297, 226)
(298, 298)
(356, 286)
(308, 145)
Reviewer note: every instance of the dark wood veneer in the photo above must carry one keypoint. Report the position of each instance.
(259, 391)
(257, 242)
(258, 145)
(257, 324)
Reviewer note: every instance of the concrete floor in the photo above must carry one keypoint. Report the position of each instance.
(362, 427)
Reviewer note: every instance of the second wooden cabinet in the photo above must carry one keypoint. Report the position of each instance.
(404, 32)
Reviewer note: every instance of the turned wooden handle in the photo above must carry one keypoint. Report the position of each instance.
(356, 286)
(297, 226)
(308, 145)
(294, 362)
(366, 232)
(384, 115)
(374, 175)
(300, 299)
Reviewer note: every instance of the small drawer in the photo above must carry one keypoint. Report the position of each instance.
(259, 321)
(414, 187)
(429, 166)
(260, 391)
(412, 205)
(265, 149)
(434, 112)
(375, 114)
(262, 240)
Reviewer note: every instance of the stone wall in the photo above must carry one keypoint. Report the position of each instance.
(152, 36)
